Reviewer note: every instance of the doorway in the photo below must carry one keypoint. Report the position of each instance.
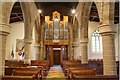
(56, 57)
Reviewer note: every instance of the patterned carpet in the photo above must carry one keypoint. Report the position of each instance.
(55, 73)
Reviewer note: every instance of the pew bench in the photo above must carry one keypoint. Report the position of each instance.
(28, 72)
(81, 71)
(95, 77)
(18, 78)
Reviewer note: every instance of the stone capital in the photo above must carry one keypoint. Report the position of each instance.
(27, 40)
(85, 40)
(107, 29)
(4, 29)
(36, 44)
(76, 43)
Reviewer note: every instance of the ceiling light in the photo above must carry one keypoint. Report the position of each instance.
(73, 11)
(39, 11)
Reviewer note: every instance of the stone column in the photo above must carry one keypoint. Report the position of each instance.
(84, 48)
(70, 42)
(27, 50)
(42, 43)
(41, 51)
(71, 57)
(37, 51)
(109, 62)
(75, 49)
(4, 31)
(37, 42)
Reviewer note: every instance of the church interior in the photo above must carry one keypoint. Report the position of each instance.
(59, 40)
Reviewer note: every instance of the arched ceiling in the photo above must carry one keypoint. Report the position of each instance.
(64, 8)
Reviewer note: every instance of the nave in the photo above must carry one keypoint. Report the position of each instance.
(81, 37)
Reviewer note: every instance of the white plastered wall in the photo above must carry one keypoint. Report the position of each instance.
(16, 32)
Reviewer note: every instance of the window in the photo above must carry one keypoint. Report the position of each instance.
(96, 42)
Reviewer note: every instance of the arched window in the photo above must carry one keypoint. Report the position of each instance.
(96, 42)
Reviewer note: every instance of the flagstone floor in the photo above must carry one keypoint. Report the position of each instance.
(56, 73)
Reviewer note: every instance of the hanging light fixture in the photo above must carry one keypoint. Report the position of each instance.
(73, 11)
(39, 11)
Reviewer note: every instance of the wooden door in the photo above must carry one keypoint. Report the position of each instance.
(56, 57)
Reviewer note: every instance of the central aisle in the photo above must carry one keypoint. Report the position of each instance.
(56, 72)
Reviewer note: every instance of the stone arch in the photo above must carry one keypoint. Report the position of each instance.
(76, 38)
(30, 14)
(75, 27)
(83, 18)
(84, 13)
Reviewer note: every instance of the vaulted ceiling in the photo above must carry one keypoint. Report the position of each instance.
(64, 8)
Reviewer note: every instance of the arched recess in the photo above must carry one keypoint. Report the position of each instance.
(83, 14)
(92, 28)
(16, 33)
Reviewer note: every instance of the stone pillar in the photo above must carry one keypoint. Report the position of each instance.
(42, 43)
(70, 54)
(27, 50)
(4, 31)
(76, 49)
(84, 48)
(37, 42)
(71, 57)
(37, 51)
(109, 62)
(41, 51)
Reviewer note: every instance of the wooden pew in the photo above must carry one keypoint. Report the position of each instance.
(95, 63)
(82, 71)
(18, 78)
(24, 70)
(69, 63)
(37, 72)
(95, 77)
(15, 63)
(39, 63)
